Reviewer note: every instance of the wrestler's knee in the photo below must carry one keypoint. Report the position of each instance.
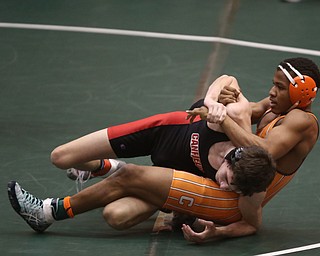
(59, 158)
(130, 172)
(116, 217)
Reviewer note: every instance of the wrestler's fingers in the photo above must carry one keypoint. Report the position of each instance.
(190, 118)
(202, 112)
(226, 100)
(190, 235)
(197, 111)
(186, 231)
(222, 115)
(228, 95)
(220, 119)
(230, 90)
(206, 223)
(216, 113)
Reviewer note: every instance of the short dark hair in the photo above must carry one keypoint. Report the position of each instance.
(304, 66)
(253, 169)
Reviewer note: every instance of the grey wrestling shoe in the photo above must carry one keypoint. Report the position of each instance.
(29, 207)
(82, 177)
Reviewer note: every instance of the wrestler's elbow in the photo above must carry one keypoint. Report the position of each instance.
(255, 227)
(251, 229)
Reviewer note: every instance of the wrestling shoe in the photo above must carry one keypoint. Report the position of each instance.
(29, 207)
(82, 177)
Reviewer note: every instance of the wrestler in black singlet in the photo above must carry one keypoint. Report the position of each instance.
(170, 140)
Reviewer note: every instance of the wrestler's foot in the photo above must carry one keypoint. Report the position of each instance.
(29, 207)
(82, 177)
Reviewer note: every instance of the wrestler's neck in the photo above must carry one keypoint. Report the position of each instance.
(217, 153)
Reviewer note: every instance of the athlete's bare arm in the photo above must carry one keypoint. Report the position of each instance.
(229, 94)
(258, 109)
(218, 86)
(217, 111)
(239, 110)
(251, 221)
(288, 142)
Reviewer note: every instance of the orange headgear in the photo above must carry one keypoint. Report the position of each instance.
(302, 88)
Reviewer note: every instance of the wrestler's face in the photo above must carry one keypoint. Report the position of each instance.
(224, 177)
(279, 93)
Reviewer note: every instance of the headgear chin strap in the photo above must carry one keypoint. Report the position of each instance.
(302, 89)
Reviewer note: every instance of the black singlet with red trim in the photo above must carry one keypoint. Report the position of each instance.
(170, 140)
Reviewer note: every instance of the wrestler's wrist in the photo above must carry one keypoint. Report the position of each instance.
(221, 232)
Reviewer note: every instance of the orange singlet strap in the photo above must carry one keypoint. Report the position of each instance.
(280, 180)
(264, 131)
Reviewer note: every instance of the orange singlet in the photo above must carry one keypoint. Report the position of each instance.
(196, 195)
(279, 180)
(202, 197)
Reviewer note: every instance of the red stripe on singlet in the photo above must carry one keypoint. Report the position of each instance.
(171, 118)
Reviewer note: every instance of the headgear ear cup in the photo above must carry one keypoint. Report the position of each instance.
(304, 90)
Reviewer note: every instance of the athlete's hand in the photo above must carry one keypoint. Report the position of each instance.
(228, 95)
(214, 113)
(192, 114)
(208, 233)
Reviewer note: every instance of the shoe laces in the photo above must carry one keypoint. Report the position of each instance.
(32, 208)
(82, 177)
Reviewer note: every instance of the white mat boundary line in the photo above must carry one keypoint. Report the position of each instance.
(161, 36)
(293, 250)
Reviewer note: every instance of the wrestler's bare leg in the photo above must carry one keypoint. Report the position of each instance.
(83, 153)
(127, 212)
(150, 184)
